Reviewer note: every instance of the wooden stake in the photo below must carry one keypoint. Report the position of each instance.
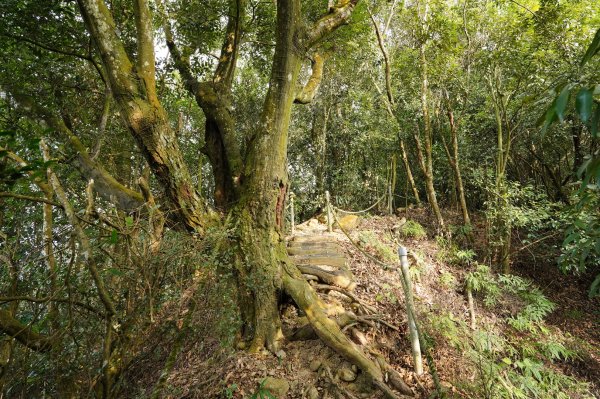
(410, 309)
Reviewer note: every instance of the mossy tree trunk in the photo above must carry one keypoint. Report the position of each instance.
(251, 190)
(259, 213)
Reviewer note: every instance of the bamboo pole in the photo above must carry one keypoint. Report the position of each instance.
(410, 309)
(471, 305)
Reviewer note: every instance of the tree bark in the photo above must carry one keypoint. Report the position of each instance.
(427, 135)
(453, 160)
(409, 174)
(142, 111)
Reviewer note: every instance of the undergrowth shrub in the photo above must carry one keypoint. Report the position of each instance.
(512, 358)
(369, 241)
(412, 229)
(450, 252)
(447, 280)
(580, 250)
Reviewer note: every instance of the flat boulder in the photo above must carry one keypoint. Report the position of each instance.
(348, 222)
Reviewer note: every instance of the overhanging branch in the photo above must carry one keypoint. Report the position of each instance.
(23, 333)
(337, 16)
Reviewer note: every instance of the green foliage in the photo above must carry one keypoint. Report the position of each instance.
(526, 304)
(450, 252)
(387, 294)
(412, 229)
(581, 246)
(580, 250)
(504, 372)
(370, 242)
(262, 392)
(593, 48)
(447, 280)
(506, 363)
(230, 390)
(515, 206)
(461, 233)
(535, 306)
(483, 281)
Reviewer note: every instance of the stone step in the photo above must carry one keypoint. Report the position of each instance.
(336, 261)
(312, 239)
(315, 245)
(315, 250)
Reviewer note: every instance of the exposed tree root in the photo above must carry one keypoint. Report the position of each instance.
(367, 309)
(330, 275)
(328, 330)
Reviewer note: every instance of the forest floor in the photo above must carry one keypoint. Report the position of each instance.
(309, 369)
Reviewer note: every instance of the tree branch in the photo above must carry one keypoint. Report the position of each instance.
(23, 333)
(337, 16)
(229, 51)
(213, 97)
(312, 85)
(181, 62)
(86, 248)
(114, 57)
(386, 59)
(107, 185)
(145, 45)
(146, 118)
(29, 198)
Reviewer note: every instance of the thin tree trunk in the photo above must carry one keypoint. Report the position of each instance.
(427, 135)
(319, 134)
(453, 160)
(502, 223)
(409, 174)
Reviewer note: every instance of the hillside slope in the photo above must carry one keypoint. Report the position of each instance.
(523, 345)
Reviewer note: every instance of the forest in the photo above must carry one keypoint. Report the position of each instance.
(300, 199)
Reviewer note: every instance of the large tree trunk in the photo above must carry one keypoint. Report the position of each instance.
(260, 211)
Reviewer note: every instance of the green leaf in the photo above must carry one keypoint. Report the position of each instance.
(114, 271)
(592, 49)
(595, 122)
(583, 104)
(114, 236)
(129, 221)
(507, 361)
(561, 102)
(548, 119)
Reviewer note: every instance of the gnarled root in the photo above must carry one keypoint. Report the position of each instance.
(328, 330)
